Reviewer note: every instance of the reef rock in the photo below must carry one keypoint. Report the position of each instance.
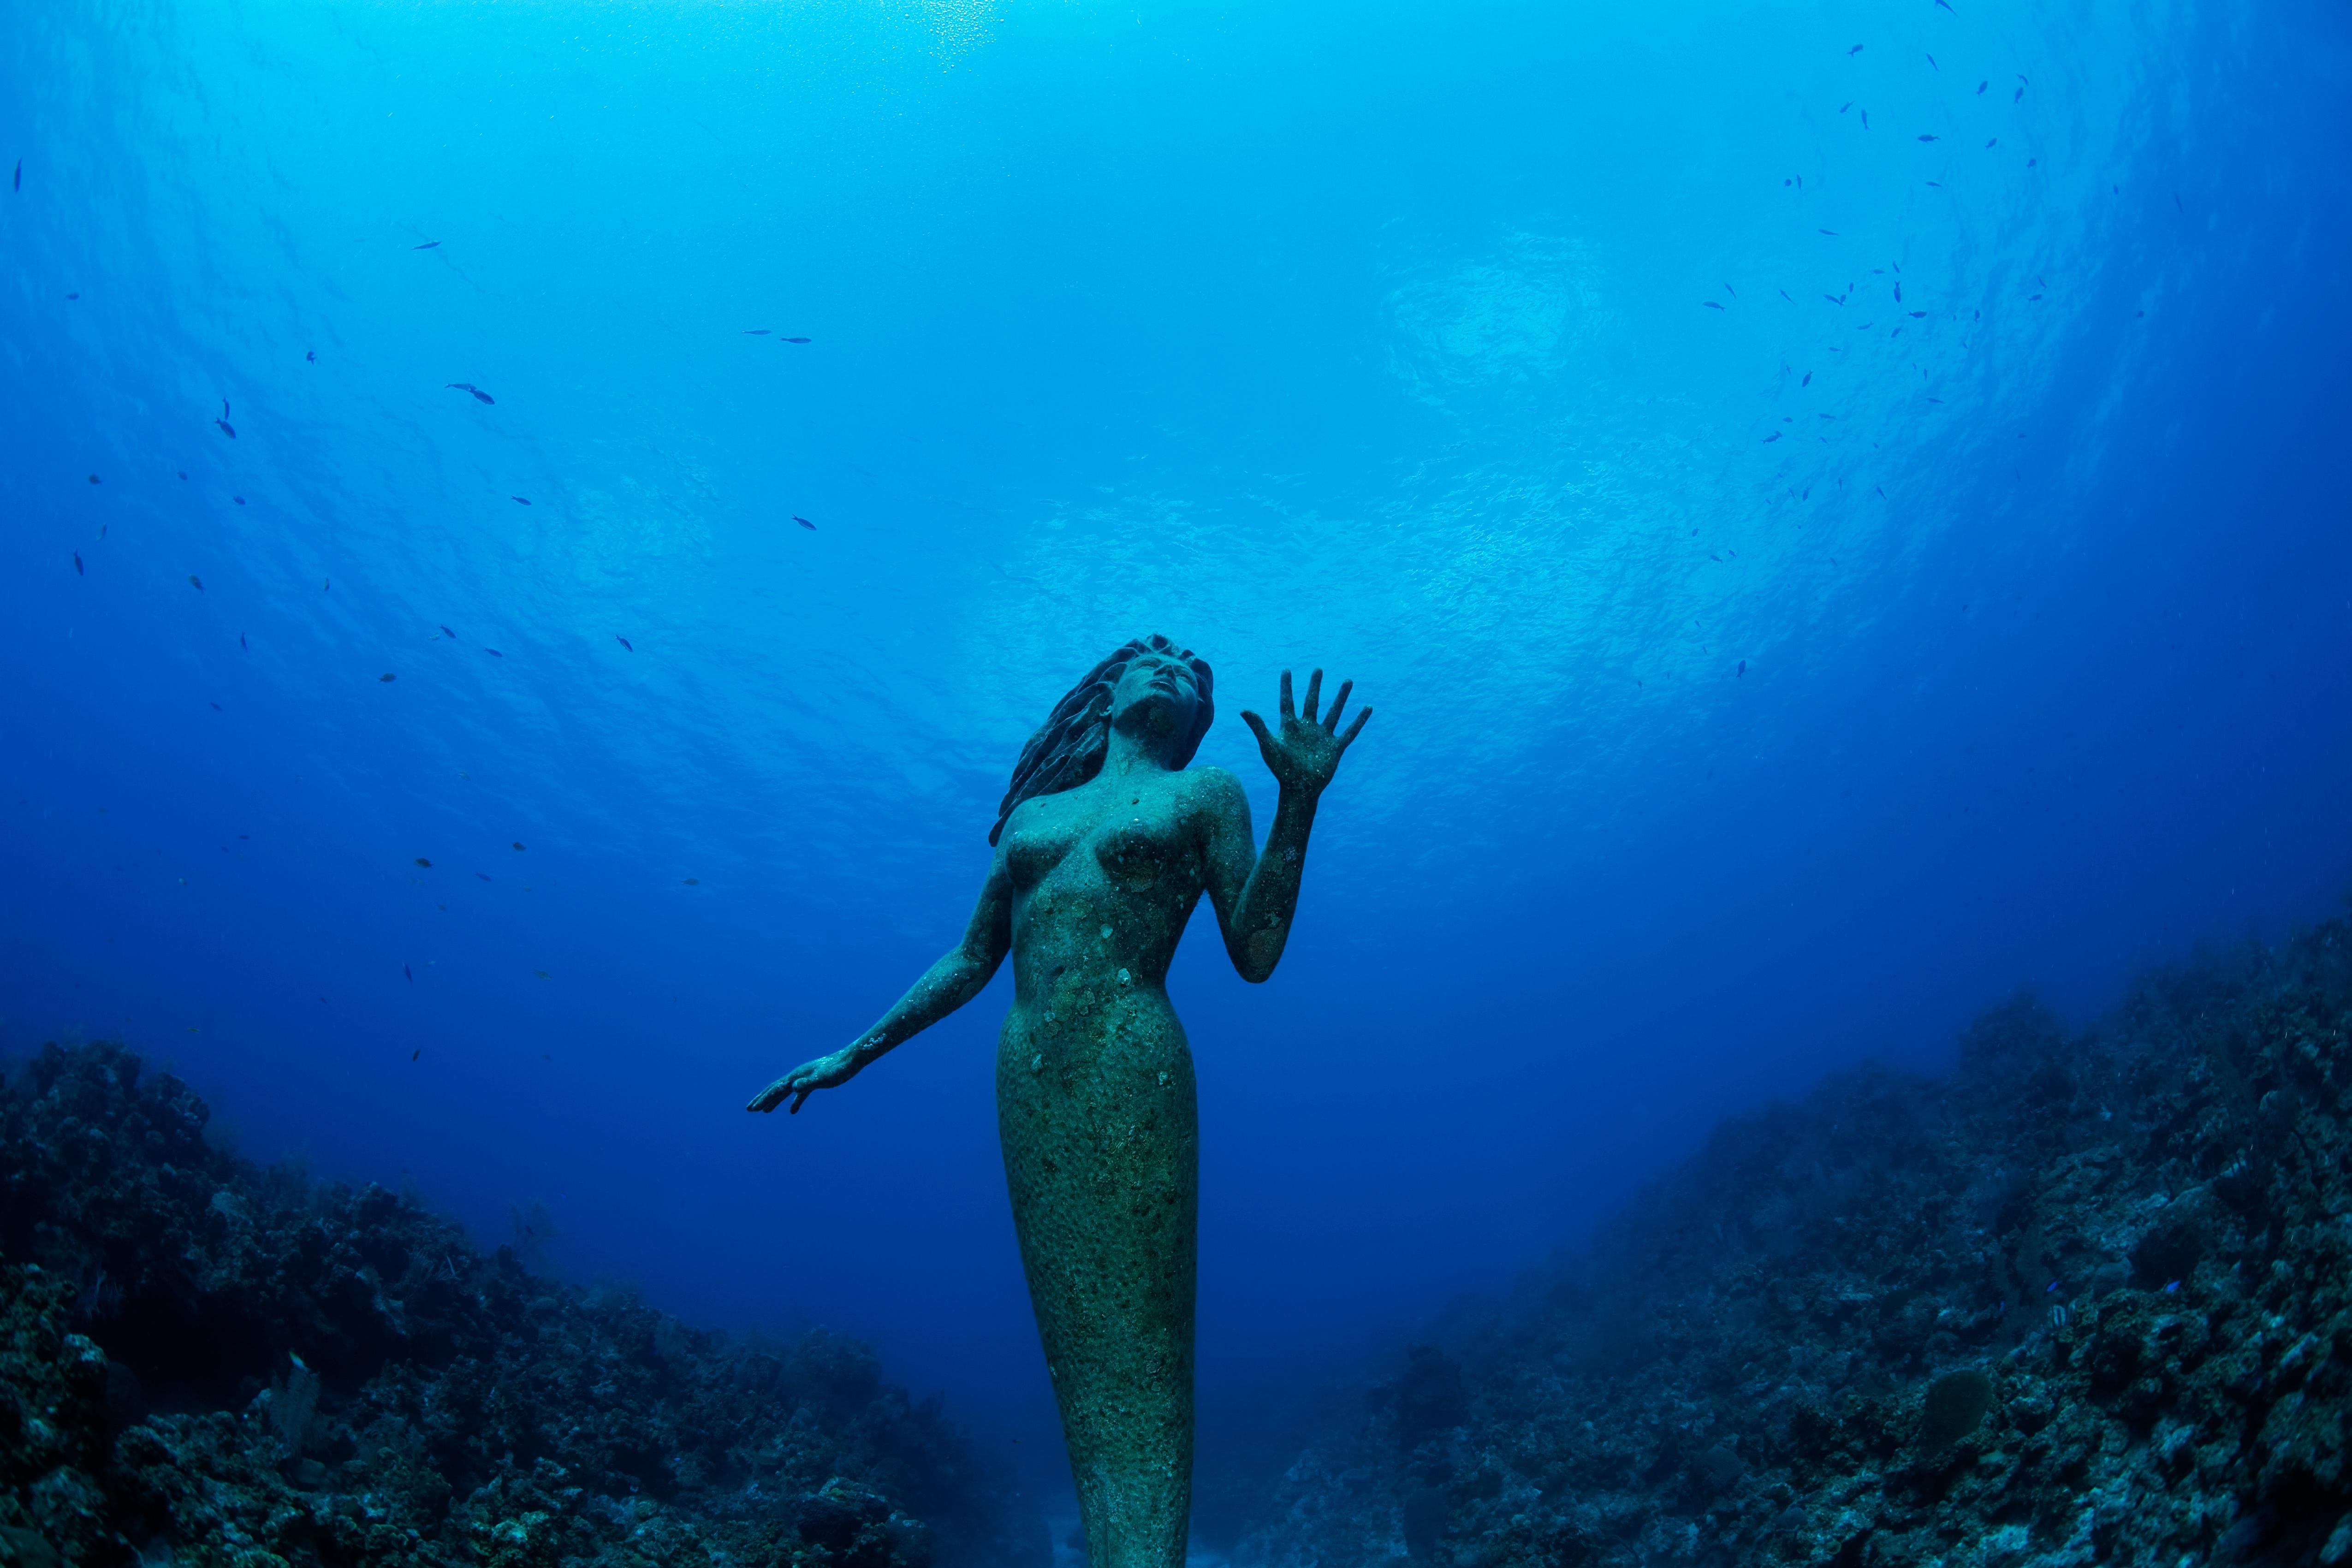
(208, 1363)
(2088, 1299)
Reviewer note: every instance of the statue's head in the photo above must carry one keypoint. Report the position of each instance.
(1151, 690)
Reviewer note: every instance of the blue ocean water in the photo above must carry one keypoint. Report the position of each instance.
(1842, 510)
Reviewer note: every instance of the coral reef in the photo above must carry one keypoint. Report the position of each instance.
(209, 1363)
(2088, 1299)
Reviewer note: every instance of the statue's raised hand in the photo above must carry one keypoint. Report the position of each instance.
(825, 1073)
(1306, 754)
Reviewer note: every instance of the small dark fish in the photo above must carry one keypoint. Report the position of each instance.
(447, 633)
(2033, 296)
(520, 500)
(405, 969)
(1834, 299)
(1981, 88)
(195, 582)
(694, 881)
(239, 499)
(1785, 295)
(16, 180)
(73, 296)
(1830, 232)
(1935, 400)
(387, 676)
(485, 876)
(1730, 291)
(1807, 381)
(812, 527)
(312, 356)
(2020, 97)
(93, 478)
(215, 707)
(796, 340)
(2032, 161)
(1772, 437)
(1931, 138)
(228, 429)
(494, 653)
(480, 395)
(755, 331)
(518, 844)
(2176, 206)
(419, 1050)
(1947, 5)
(1916, 315)
(624, 642)
(181, 472)
(1881, 489)
(424, 862)
(428, 244)
(1932, 65)
(1854, 52)
(1846, 105)
(1992, 143)
(1743, 669)
(1711, 304)
(1866, 120)
(1898, 293)
(78, 571)
(242, 645)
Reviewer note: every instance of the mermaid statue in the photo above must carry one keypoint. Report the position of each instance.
(1104, 843)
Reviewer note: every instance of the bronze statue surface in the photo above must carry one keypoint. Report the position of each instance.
(1105, 842)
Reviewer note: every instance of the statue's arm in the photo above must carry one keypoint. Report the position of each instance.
(1255, 895)
(960, 973)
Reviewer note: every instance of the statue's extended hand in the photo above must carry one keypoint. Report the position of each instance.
(825, 1073)
(1306, 754)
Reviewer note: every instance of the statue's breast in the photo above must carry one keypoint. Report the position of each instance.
(1031, 852)
(1137, 853)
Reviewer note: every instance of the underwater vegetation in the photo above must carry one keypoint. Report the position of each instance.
(207, 1363)
(2088, 1299)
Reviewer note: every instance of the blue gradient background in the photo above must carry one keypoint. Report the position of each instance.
(1366, 335)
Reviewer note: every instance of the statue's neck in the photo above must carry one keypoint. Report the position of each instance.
(1129, 754)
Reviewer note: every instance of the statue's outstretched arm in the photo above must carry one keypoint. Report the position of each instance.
(1255, 895)
(961, 973)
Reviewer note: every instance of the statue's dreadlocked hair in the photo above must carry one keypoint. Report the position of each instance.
(1067, 749)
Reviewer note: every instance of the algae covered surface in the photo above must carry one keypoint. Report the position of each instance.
(2087, 1300)
(207, 1362)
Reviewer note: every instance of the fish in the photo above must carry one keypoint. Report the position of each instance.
(1947, 4)
(518, 844)
(1932, 65)
(1866, 120)
(694, 881)
(93, 478)
(755, 331)
(419, 1050)
(796, 340)
(424, 862)
(239, 499)
(1931, 138)
(428, 244)
(447, 633)
(2020, 95)
(1830, 232)
(181, 472)
(1730, 291)
(1992, 143)
(1981, 88)
(195, 582)
(228, 429)
(540, 972)
(78, 571)
(1898, 293)
(387, 676)
(485, 876)
(1834, 299)
(812, 527)
(16, 180)
(1935, 400)
(1743, 667)
(1785, 295)
(520, 500)
(405, 969)
(624, 642)
(310, 356)
(242, 645)
(2176, 206)
(1846, 105)
(1711, 304)
(1772, 437)
(215, 706)
(1916, 315)
(1807, 381)
(1854, 52)
(494, 653)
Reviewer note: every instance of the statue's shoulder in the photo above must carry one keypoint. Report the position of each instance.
(1212, 788)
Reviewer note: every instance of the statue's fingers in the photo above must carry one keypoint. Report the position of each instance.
(1314, 695)
(801, 1101)
(1355, 728)
(1289, 713)
(1256, 727)
(1331, 720)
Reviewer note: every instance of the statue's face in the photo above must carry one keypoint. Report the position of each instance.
(1157, 697)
